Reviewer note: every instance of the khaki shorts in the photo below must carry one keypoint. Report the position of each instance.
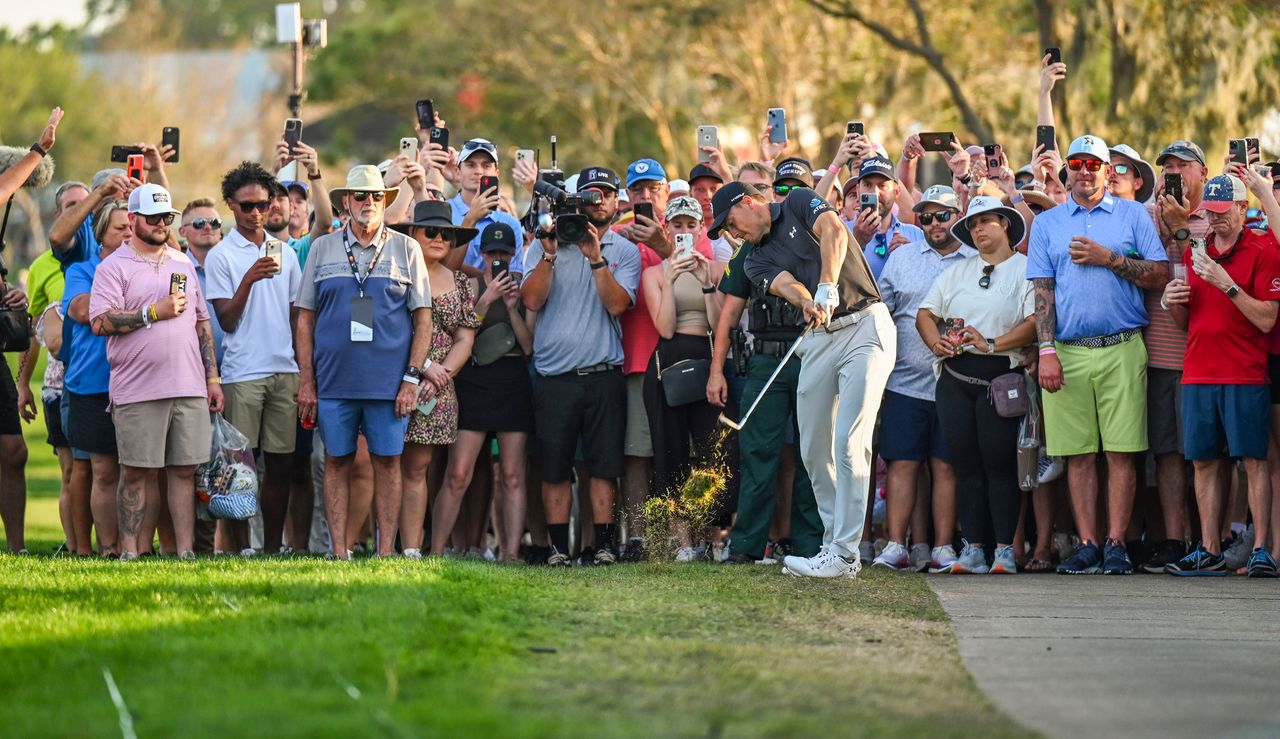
(171, 432)
(638, 442)
(265, 410)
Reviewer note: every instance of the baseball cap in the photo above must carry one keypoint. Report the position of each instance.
(498, 237)
(678, 186)
(1182, 149)
(598, 177)
(795, 168)
(645, 170)
(877, 165)
(475, 146)
(702, 170)
(151, 200)
(1221, 193)
(683, 206)
(1089, 145)
(724, 199)
(938, 195)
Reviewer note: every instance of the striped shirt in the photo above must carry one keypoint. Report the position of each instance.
(1166, 343)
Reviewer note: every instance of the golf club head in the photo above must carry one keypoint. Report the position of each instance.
(731, 424)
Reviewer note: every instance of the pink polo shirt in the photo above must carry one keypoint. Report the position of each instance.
(162, 361)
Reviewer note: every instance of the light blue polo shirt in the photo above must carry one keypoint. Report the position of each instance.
(1092, 300)
(460, 210)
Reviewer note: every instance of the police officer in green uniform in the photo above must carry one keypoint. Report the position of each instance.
(773, 324)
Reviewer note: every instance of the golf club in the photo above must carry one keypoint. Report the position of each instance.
(737, 426)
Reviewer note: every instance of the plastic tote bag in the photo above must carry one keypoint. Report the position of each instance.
(227, 485)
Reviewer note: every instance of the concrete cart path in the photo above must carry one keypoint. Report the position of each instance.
(1145, 655)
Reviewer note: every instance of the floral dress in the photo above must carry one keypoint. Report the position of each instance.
(449, 311)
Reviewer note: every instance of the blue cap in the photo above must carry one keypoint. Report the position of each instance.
(642, 170)
(877, 165)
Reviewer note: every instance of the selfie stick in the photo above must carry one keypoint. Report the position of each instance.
(738, 426)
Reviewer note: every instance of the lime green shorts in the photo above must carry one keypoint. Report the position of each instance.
(1103, 398)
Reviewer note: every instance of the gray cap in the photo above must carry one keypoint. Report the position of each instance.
(938, 195)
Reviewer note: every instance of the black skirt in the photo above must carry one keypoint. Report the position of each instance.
(495, 397)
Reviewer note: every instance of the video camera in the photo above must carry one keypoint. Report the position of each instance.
(566, 221)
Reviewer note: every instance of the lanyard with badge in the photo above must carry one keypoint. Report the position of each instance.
(362, 306)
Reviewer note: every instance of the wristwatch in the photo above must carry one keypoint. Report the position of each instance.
(1233, 291)
(1181, 234)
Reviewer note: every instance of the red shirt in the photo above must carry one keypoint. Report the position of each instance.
(1223, 347)
(639, 335)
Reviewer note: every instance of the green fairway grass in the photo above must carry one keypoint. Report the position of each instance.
(268, 647)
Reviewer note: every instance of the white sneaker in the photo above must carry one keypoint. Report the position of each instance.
(942, 558)
(412, 553)
(686, 554)
(893, 557)
(833, 565)
(920, 556)
(866, 552)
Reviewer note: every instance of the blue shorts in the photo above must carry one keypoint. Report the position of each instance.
(341, 421)
(1238, 415)
(909, 429)
(64, 410)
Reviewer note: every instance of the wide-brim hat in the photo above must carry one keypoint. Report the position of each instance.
(984, 204)
(363, 178)
(434, 213)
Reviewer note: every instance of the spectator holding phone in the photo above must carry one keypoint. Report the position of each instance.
(139, 301)
(474, 209)
(495, 393)
(252, 280)
(914, 433)
(90, 430)
(363, 332)
(434, 420)
(991, 296)
(579, 291)
(877, 228)
(1228, 305)
(684, 305)
(1089, 260)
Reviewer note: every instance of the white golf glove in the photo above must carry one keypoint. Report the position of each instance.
(826, 297)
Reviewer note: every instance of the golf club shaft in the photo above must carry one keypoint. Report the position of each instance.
(743, 421)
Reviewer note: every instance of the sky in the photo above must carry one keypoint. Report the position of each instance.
(18, 16)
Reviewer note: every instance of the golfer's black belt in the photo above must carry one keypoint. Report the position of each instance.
(1101, 342)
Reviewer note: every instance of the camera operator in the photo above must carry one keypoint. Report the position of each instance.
(801, 253)
(579, 289)
(475, 210)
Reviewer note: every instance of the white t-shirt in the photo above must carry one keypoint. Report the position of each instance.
(994, 311)
(262, 344)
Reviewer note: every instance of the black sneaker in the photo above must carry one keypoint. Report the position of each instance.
(1166, 553)
(1199, 563)
(1115, 560)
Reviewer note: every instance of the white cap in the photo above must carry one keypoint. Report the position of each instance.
(675, 186)
(151, 200)
(1091, 145)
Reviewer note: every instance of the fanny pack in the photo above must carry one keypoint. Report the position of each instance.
(1007, 392)
(685, 381)
(493, 343)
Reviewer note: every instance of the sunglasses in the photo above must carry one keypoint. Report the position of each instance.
(784, 189)
(159, 218)
(200, 224)
(1093, 165)
(262, 206)
(984, 281)
(437, 232)
(360, 197)
(941, 217)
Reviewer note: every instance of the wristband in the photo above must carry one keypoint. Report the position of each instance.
(37, 148)
(409, 379)
(1048, 350)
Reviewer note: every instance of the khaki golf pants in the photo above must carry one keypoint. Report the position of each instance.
(843, 374)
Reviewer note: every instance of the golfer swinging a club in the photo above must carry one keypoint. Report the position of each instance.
(801, 253)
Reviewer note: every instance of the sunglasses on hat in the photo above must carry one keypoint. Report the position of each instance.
(1093, 165)
(941, 216)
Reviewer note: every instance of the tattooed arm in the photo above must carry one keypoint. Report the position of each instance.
(1144, 273)
(1046, 331)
